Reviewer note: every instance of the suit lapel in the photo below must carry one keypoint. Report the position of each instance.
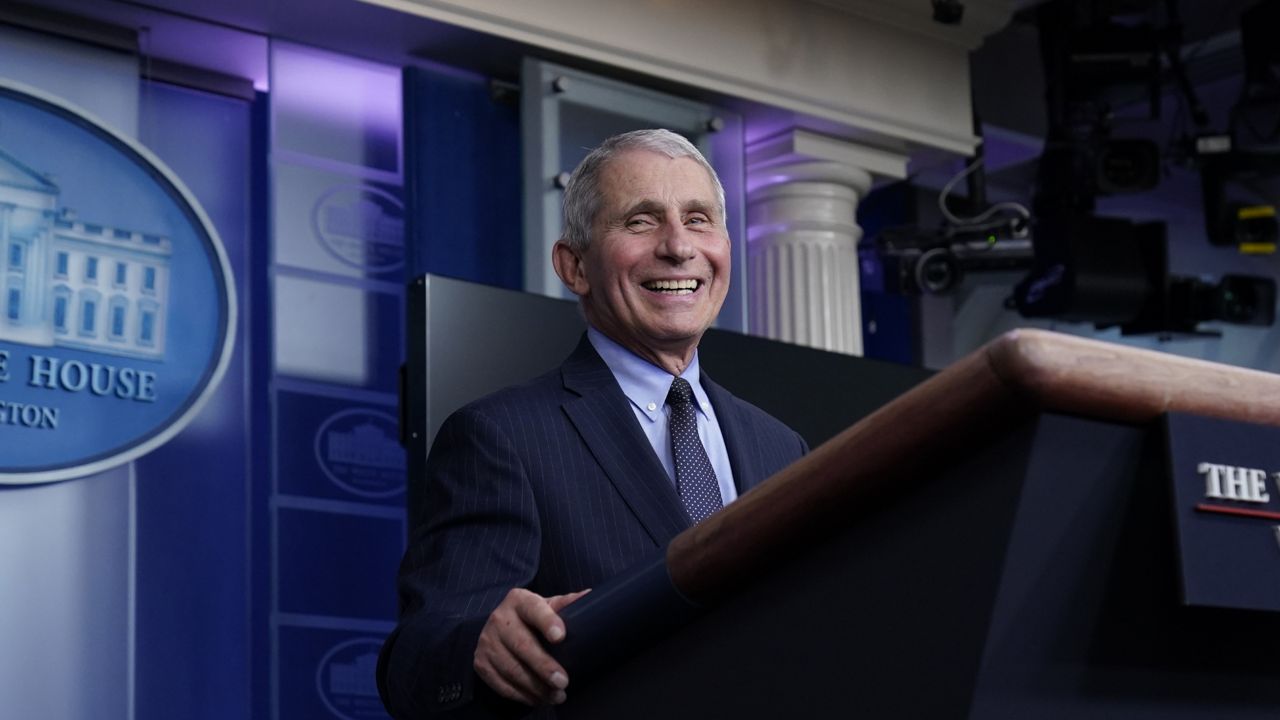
(737, 438)
(608, 427)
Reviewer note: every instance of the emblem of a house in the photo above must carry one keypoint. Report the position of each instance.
(69, 283)
(355, 678)
(366, 444)
(345, 680)
(357, 450)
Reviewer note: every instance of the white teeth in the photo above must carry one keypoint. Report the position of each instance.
(682, 287)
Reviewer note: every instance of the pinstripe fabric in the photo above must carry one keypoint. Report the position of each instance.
(551, 486)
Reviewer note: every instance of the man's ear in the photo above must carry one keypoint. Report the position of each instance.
(568, 265)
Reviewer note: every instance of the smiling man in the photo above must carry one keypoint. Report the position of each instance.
(657, 272)
(539, 492)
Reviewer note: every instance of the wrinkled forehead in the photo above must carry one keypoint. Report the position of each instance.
(643, 176)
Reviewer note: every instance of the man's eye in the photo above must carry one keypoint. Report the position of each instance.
(638, 222)
(697, 220)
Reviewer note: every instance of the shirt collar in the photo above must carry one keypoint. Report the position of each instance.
(646, 385)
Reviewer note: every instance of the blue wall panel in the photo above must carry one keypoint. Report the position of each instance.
(258, 333)
(327, 673)
(340, 448)
(336, 476)
(462, 179)
(192, 493)
(338, 565)
(341, 332)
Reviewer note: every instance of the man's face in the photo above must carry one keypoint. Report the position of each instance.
(657, 269)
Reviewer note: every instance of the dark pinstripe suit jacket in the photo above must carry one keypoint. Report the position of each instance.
(550, 486)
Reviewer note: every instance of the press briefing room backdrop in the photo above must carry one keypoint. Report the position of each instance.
(210, 212)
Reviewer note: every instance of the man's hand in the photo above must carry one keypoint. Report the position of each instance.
(509, 656)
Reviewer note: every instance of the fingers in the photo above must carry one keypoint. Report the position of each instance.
(560, 602)
(495, 679)
(509, 655)
(509, 676)
(537, 613)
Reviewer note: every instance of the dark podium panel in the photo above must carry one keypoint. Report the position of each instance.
(1034, 578)
(998, 543)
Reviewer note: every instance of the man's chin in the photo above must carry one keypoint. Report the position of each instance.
(676, 339)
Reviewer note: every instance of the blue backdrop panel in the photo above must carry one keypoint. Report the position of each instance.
(338, 252)
(337, 221)
(338, 332)
(328, 673)
(259, 334)
(462, 179)
(192, 493)
(340, 448)
(338, 565)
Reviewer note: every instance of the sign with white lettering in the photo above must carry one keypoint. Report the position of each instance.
(116, 306)
(1226, 489)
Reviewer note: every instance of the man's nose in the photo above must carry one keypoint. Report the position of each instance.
(675, 242)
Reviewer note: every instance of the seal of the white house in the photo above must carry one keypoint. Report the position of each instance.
(345, 680)
(117, 305)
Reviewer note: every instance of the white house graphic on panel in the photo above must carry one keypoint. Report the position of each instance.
(76, 284)
(366, 445)
(356, 677)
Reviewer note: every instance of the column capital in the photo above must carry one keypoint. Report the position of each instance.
(802, 200)
(798, 146)
(770, 178)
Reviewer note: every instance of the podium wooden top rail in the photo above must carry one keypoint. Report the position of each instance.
(988, 392)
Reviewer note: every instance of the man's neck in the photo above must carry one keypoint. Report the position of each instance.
(672, 361)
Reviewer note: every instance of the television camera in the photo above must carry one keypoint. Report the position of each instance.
(1113, 271)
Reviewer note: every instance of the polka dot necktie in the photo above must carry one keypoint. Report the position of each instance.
(695, 478)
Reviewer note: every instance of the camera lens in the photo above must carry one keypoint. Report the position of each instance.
(1245, 300)
(937, 271)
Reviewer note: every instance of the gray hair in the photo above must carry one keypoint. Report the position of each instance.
(582, 196)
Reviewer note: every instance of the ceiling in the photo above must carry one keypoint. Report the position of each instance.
(228, 37)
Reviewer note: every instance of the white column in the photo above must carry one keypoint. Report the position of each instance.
(802, 236)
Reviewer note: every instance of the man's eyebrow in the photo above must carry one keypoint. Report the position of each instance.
(700, 206)
(652, 207)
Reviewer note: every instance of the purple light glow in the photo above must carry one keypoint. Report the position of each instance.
(353, 93)
(1005, 148)
(759, 180)
(224, 50)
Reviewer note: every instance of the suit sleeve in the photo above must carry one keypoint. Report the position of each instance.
(481, 538)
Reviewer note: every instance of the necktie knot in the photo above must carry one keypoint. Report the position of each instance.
(680, 394)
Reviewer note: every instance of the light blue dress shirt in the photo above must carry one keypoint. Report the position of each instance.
(646, 385)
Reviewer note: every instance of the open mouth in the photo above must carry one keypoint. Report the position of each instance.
(673, 287)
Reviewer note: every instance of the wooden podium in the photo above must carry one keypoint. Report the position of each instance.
(996, 543)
